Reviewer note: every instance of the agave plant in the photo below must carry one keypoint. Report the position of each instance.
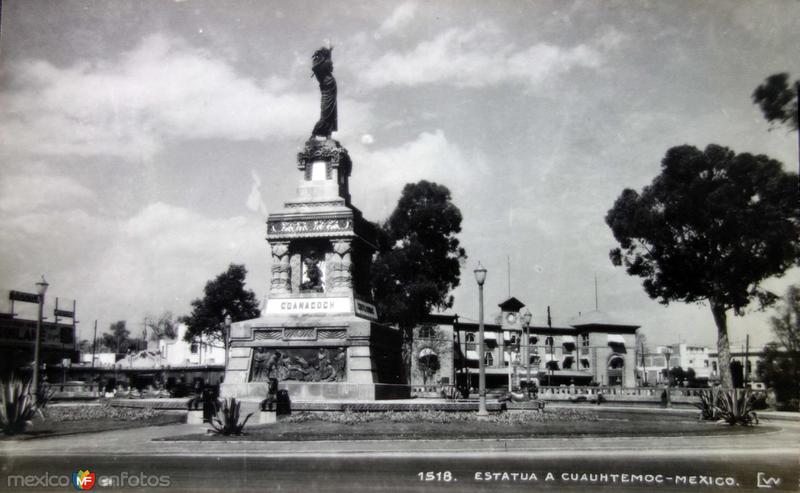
(736, 408)
(226, 421)
(708, 405)
(17, 406)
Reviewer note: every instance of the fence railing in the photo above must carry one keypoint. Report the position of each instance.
(652, 394)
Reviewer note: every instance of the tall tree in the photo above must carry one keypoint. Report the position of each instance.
(118, 338)
(162, 326)
(780, 366)
(778, 100)
(710, 228)
(419, 259)
(224, 295)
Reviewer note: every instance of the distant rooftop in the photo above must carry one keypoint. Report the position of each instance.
(596, 317)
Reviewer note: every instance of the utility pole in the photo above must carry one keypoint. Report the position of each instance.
(94, 345)
(746, 359)
(508, 270)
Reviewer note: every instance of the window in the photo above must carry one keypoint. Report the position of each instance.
(584, 363)
(513, 339)
(427, 332)
(470, 337)
(616, 363)
(714, 365)
(705, 363)
(193, 348)
(585, 340)
(533, 340)
(567, 365)
(548, 341)
(488, 359)
(534, 359)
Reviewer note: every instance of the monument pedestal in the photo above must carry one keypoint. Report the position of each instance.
(319, 336)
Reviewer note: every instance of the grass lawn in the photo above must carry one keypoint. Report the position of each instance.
(82, 418)
(442, 426)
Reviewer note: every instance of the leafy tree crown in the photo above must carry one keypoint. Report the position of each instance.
(224, 295)
(711, 226)
(419, 258)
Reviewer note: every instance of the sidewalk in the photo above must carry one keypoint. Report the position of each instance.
(140, 442)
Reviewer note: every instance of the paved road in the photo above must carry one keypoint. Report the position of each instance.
(722, 464)
(451, 473)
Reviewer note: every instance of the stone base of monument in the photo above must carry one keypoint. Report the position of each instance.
(320, 391)
(194, 418)
(264, 418)
(315, 357)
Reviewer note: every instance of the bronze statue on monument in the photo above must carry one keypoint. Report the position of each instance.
(322, 66)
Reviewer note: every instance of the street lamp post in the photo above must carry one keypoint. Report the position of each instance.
(228, 321)
(41, 289)
(480, 277)
(526, 319)
(668, 403)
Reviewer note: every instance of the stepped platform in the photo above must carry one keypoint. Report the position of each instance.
(400, 405)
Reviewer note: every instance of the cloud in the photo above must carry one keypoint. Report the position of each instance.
(399, 18)
(161, 90)
(479, 57)
(25, 193)
(380, 175)
(118, 267)
(367, 139)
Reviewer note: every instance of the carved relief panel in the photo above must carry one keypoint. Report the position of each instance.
(299, 364)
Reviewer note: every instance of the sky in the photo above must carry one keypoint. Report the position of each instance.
(143, 143)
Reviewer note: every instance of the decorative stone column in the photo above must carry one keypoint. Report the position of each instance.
(281, 271)
(341, 266)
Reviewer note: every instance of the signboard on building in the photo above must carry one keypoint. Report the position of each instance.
(24, 297)
(366, 310)
(300, 306)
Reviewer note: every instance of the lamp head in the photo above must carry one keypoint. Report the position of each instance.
(41, 286)
(480, 274)
(526, 317)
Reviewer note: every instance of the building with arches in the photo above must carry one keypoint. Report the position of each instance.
(591, 349)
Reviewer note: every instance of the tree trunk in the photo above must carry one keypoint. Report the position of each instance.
(723, 345)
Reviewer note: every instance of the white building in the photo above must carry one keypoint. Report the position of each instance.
(177, 352)
(101, 360)
(696, 358)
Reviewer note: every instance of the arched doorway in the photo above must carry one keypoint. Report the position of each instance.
(428, 364)
(616, 368)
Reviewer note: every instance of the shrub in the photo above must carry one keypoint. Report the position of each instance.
(102, 412)
(760, 401)
(17, 406)
(790, 405)
(708, 405)
(736, 408)
(349, 417)
(226, 421)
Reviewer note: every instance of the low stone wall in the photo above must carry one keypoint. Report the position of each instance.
(620, 394)
(448, 406)
(167, 403)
